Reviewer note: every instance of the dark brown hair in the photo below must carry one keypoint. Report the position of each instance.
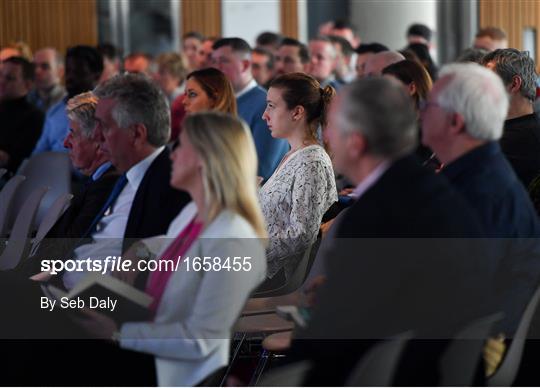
(300, 89)
(411, 71)
(218, 88)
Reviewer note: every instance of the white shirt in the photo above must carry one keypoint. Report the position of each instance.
(110, 230)
(252, 84)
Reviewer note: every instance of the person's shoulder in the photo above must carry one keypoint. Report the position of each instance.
(228, 225)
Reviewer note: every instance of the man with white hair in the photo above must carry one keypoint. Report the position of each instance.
(462, 120)
(377, 62)
(391, 267)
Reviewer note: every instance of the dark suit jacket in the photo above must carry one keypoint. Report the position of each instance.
(156, 203)
(393, 270)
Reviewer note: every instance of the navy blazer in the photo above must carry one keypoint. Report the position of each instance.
(399, 263)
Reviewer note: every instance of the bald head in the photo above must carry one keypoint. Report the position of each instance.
(377, 62)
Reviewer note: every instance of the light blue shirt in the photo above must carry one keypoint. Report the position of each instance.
(55, 129)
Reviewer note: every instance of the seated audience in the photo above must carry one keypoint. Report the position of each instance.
(111, 61)
(21, 121)
(345, 30)
(84, 65)
(16, 49)
(191, 44)
(233, 57)
(418, 84)
(269, 41)
(377, 62)
(209, 89)
(419, 33)
(171, 73)
(490, 39)
(206, 89)
(190, 339)
(462, 123)
(262, 66)
(89, 159)
(346, 58)
(204, 55)
(423, 55)
(520, 141)
(392, 267)
(292, 57)
(138, 63)
(324, 60)
(48, 73)
(472, 55)
(364, 51)
(303, 187)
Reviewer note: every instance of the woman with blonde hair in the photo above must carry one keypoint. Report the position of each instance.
(216, 242)
(303, 187)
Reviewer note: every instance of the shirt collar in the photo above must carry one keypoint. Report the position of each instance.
(252, 84)
(100, 171)
(136, 173)
(370, 180)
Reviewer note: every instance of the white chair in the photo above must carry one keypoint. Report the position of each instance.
(7, 196)
(19, 238)
(50, 218)
(52, 169)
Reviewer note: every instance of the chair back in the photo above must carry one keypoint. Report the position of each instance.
(51, 216)
(377, 368)
(507, 371)
(7, 197)
(459, 363)
(297, 277)
(19, 238)
(52, 169)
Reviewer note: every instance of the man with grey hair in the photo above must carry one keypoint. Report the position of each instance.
(382, 274)
(133, 126)
(462, 121)
(377, 62)
(520, 141)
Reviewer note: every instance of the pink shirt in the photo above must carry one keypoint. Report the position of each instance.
(158, 280)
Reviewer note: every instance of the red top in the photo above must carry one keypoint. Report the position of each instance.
(158, 280)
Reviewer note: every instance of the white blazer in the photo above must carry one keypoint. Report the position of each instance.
(190, 335)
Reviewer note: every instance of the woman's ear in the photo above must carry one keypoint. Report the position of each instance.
(298, 112)
(412, 89)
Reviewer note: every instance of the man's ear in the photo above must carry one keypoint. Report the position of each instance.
(411, 88)
(515, 85)
(140, 133)
(457, 124)
(356, 145)
(246, 65)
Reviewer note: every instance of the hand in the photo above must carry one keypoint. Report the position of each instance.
(96, 324)
(42, 276)
(346, 191)
(310, 292)
(260, 180)
(325, 227)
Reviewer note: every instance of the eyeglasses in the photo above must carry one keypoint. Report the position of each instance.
(423, 104)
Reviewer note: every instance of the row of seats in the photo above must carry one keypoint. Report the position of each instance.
(265, 319)
(30, 204)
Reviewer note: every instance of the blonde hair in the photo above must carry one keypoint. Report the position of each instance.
(82, 109)
(226, 146)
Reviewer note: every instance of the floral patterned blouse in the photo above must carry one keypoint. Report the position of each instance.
(293, 201)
